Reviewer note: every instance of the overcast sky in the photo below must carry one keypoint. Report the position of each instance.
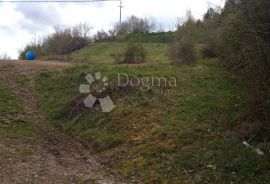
(20, 22)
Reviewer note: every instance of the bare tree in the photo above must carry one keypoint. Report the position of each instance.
(4, 57)
(160, 28)
(83, 29)
(136, 25)
(62, 41)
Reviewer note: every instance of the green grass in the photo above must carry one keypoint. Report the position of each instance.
(102, 52)
(161, 37)
(183, 137)
(17, 135)
(22, 80)
(20, 130)
(14, 132)
(8, 102)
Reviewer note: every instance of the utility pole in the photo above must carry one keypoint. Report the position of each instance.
(121, 6)
(35, 38)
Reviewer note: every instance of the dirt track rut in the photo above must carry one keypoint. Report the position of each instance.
(55, 157)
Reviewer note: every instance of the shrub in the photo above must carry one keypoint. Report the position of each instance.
(182, 49)
(61, 42)
(64, 41)
(31, 46)
(208, 52)
(118, 57)
(245, 51)
(183, 52)
(213, 27)
(134, 53)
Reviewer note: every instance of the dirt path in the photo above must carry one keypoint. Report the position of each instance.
(54, 157)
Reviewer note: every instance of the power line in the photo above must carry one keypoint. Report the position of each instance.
(54, 1)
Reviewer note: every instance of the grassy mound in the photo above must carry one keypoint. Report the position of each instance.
(105, 52)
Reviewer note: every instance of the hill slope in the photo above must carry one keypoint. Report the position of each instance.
(31, 150)
(183, 133)
(103, 52)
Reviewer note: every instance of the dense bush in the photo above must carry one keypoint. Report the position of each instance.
(62, 41)
(182, 49)
(209, 51)
(212, 28)
(183, 52)
(37, 47)
(134, 53)
(189, 28)
(103, 36)
(245, 51)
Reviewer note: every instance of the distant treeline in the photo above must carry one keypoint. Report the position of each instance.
(67, 40)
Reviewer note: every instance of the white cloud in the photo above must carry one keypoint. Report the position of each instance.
(22, 21)
(38, 16)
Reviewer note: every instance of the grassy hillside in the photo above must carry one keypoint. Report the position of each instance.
(182, 134)
(103, 52)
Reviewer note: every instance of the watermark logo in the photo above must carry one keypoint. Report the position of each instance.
(146, 83)
(97, 84)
